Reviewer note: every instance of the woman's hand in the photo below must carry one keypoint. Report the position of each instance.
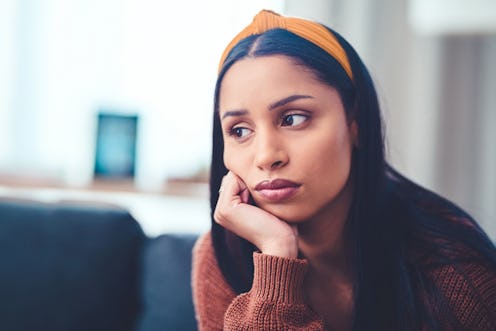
(271, 235)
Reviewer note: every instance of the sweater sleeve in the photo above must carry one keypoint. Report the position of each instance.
(211, 293)
(276, 300)
(469, 291)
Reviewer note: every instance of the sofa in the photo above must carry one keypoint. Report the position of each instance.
(88, 267)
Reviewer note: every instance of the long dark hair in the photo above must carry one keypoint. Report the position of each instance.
(385, 207)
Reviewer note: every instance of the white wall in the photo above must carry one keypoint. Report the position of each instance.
(7, 23)
(453, 16)
(65, 60)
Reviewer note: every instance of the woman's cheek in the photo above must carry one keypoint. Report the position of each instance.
(227, 158)
(233, 161)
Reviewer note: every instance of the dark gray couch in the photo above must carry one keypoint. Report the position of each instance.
(81, 267)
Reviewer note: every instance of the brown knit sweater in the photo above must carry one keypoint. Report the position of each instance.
(276, 300)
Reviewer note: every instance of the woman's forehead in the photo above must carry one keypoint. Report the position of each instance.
(275, 71)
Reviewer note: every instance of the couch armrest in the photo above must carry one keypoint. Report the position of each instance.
(166, 287)
(68, 267)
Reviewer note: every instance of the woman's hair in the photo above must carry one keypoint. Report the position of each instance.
(386, 214)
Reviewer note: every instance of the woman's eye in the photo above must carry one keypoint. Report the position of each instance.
(239, 132)
(293, 119)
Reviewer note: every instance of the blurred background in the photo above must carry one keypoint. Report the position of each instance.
(111, 100)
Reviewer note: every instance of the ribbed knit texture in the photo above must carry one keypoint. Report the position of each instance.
(211, 293)
(276, 300)
(277, 279)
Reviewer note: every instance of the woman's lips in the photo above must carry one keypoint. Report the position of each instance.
(277, 189)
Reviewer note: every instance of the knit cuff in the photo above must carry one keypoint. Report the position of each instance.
(278, 279)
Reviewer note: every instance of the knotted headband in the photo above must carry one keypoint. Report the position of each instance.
(311, 31)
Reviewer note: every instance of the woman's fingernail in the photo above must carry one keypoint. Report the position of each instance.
(245, 195)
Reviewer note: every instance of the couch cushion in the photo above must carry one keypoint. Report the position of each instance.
(68, 267)
(166, 289)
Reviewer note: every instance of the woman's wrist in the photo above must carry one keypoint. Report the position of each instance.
(281, 249)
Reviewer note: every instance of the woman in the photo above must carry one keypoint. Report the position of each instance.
(312, 229)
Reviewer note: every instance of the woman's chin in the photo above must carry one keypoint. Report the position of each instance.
(287, 213)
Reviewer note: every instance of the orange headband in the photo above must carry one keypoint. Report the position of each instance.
(311, 31)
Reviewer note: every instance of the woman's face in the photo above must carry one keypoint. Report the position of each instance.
(286, 136)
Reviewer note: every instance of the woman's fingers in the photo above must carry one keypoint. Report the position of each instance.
(230, 189)
(245, 195)
(229, 196)
(270, 234)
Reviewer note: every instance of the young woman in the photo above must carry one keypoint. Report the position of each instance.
(312, 229)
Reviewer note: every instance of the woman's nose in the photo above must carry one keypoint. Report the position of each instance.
(270, 153)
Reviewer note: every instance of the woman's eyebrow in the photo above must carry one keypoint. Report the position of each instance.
(282, 102)
(239, 112)
(287, 100)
